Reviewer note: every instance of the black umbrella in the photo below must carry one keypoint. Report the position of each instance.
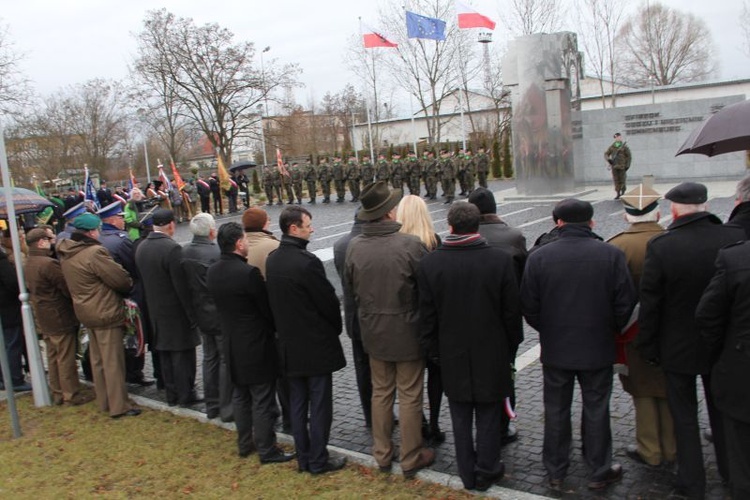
(241, 165)
(726, 131)
(25, 201)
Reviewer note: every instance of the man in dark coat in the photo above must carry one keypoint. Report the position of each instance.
(10, 313)
(308, 322)
(247, 326)
(197, 257)
(175, 332)
(104, 195)
(679, 265)
(213, 184)
(204, 193)
(578, 294)
(723, 316)
(475, 351)
(740, 216)
(351, 320)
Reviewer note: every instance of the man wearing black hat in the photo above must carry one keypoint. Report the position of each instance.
(577, 293)
(618, 157)
(175, 332)
(679, 265)
(654, 428)
(380, 269)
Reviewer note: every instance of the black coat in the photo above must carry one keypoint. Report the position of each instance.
(10, 306)
(197, 257)
(740, 217)
(350, 304)
(159, 261)
(723, 315)
(470, 317)
(305, 309)
(679, 264)
(508, 239)
(578, 294)
(246, 320)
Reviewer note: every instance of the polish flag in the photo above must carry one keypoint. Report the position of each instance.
(469, 18)
(374, 39)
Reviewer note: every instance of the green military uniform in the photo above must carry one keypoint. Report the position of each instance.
(324, 177)
(469, 172)
(339, 180)
(482, 162)
(460, 163)
(619, 158)
(268, 186)
(384, 170)
(448, 177)
(311, 177)
(413, 171)
(354, 174)
(277, 184)
(431, 176)
(287, 183)
(397, 173)
(296, 177)
(368, 171)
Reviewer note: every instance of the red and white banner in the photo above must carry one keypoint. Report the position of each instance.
(372, 38)
(470, 18)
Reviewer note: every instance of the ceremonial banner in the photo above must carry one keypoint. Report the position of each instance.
(223, 173)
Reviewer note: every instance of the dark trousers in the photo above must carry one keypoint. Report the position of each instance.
(206, 204)
(217, 387)
(434, 393)
(737, 435)
(484, 458)
(596, 389)
(364, 379)
(218, 208)
(683, 404)
(311, 396)
(255, 414)
(134, 365)
(178, 374)
(14, 346)
(505, 419)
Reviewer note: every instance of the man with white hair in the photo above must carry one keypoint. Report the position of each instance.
(679, 265)
(197, 257)
(740, 216)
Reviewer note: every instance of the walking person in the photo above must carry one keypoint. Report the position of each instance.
(619, 158)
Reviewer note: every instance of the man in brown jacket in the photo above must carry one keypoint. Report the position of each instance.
(654, 429)
(56, 320)
(381, 270)
(98, 286)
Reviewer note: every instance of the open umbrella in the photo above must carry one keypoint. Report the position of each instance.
(25, 201)
(726, 131)
(241, 165)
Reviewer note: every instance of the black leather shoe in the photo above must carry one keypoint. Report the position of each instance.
(133, 412)
(211, 414)
(484, 482)
(555, 483)
(277, 456)
(510, 436)
(613, 475)
(333, 464)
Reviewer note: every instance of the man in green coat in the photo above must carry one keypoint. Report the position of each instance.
(618, 156)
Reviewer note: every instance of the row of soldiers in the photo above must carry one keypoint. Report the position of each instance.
(463, 167)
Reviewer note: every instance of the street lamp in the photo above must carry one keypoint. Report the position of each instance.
(265, 102)
(142, 118)
(262, 134)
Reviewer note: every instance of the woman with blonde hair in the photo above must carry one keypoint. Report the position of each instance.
(415, 219)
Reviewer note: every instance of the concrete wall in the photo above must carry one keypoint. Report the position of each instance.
(654, 133)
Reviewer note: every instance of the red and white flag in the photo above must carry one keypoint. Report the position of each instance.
(470, 18)
(373, 38)
(280, 163)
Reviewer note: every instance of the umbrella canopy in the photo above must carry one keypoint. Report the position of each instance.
(726, 131)
(241, 165)
(25, 202)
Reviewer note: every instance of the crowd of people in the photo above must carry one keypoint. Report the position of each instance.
(660, 307)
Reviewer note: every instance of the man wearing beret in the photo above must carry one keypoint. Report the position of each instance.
(618, 156)
(98, 286)
(654, 429)
(578, 294)
(679, 265)
(173, 325)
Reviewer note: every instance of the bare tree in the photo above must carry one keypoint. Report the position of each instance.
(534, 16)
(663, 46)
(600, 21)
(745, 27)
(15, 90)
(212, 76)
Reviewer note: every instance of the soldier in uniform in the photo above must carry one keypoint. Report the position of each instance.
(277, 184)
(482, 162)
(460, 162)
(354, 174)
(430, 170)
(383, 170)
(397, 173)
(311, 176)
(618, 156)
(339, 179)
(447, 176)
(324, 176)
(469, 172)
(268, 183)
(286, 181)
(414, 174)
(296, 177)
(368, 171)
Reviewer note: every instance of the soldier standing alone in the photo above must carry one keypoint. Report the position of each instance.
(618, 156)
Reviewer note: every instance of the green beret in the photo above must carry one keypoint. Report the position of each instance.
(87, 222)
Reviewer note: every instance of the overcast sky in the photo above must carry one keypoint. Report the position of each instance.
(71, 41)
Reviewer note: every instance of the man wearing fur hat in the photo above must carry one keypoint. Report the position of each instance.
(577, 293)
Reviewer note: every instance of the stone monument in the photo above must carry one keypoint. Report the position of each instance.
(542, 72)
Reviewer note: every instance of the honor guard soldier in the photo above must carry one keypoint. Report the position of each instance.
(469, 172)
(353, 173)
(447, 176)
(482, 162)
(413, 174)
(368, 171)
(311, 177)
(397, 173)
(383, 170)
(339, 179)
(324, 177)
(430, 170)
(619, 158)
(296, 176)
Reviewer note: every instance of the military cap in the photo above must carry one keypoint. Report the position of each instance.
(162, 217)
(688, 193)
(87, 222)
(640, 200)
(75, 211)
(111, 210)
(573, 211)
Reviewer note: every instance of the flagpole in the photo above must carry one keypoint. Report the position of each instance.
(413, 126)
(354, 145)
(369, 133)
(148, 168)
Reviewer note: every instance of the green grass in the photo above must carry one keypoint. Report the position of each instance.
(74, 452)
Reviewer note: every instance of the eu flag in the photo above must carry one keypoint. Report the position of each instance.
(424, 27)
